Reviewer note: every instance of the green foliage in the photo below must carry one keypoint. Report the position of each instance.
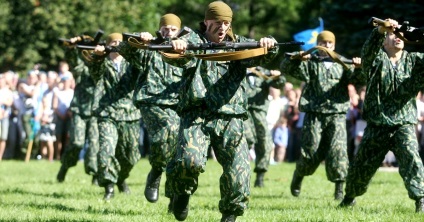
(349, 20)
(30, 28)
(29, 192)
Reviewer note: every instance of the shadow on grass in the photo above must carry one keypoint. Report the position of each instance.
(25, 192)
(94, 210)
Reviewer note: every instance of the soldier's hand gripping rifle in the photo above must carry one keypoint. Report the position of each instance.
(83, 40)
(411, 35)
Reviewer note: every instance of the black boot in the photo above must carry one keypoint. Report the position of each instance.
(151, 192)
(296, 184)
(62, 174)
(181, 207)
(228, 218)
(338, 192)
(419, 205)
(259, 182)
(94, 181)
(109, 191)
(123, 187)
(347, 202)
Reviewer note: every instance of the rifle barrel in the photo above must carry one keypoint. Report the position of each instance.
(88, 47)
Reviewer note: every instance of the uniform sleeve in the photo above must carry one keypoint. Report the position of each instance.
(96, 68)
(371, 48)
(131, 54)
(279, 82)
(296, 68)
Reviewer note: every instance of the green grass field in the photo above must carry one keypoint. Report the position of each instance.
(29, 192)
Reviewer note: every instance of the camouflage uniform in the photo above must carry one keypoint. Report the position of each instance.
(390, 111)
(156, 96)
(83, 123)
(256, 128)
(118, 120)
(212, 108)
(325, 101)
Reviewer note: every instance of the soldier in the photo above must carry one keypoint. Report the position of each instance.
(118, 118)
(256, 129)
(212, 108)
(83, 125)
(156, 96)
(394, 78)
(325, 101)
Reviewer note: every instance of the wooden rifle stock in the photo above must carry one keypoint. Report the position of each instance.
(221, 45)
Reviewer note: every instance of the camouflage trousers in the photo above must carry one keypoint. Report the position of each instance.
(118, 151)
(162, 125)
(257, 134)
(82, 129)
(225, 135)
(375, 144)
(324, 137)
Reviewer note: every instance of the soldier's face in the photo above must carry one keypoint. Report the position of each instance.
(115, 42)
(216, 30)
(393, 42)
(326, 44)
(169, 31)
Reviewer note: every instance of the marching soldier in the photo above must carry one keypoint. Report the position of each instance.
(83, 123)
(212, 109)
(394, 78)
(156, 96)
(255, 127)
(118, 118)
(325, 101)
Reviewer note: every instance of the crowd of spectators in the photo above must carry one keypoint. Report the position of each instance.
(34, 115)
(34, 112)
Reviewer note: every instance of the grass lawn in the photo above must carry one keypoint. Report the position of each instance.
(30, 192)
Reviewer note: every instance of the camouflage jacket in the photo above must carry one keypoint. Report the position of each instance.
(114, 90)
(391, 91)
(215, 86)
(325, 90)
(158, 82)
(257, 89)
(83, 99)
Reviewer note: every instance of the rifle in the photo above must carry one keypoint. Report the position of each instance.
(85, 40)
(411, 34)
(343, 59)
(221, 45)
(159, 39)
(331, 55)
(108, 49)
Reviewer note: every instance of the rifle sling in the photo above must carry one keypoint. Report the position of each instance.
(86, 55)
(224, 56)
(333, 55)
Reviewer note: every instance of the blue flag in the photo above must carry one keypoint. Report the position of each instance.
(309, 36)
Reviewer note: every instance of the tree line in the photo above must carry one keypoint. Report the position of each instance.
(30, 29)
